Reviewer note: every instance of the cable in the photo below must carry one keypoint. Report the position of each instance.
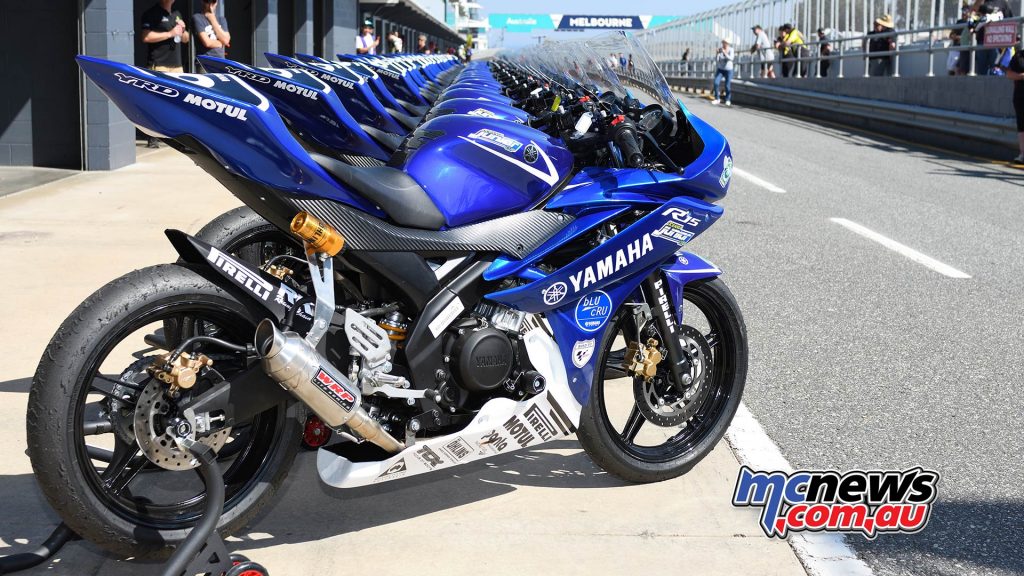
(196, 539)
(210, 340)
(60, 536)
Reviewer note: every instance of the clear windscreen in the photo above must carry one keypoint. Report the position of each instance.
(613, 62)
(626, 67)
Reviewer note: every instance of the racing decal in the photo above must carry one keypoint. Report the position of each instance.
(458, 449)
(559, 416)
(397, 470)
(555, 293)
(287, 297)
(868, 502)
(498, 139)
(723, 180)
(335, 389)
(483, 113)
(246, 74)
(241, 274)
(446, 317)
(612, 263)
(593, 310)
(682, 216)
(540, 423)
(218, 107)
(550, 177)
(673, 232)
(518, 431)
(531, 153)
(492, 441)
(146, 85)
(428, 457)
(582, 350)
(287, 86)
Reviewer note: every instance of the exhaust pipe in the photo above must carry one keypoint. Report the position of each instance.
(300, 369)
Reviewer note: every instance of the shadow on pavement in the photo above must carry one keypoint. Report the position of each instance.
(305, 510)
(18, 385)
(962, 537)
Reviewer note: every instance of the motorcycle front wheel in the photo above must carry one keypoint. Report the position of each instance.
(652, 429)
(81, 414)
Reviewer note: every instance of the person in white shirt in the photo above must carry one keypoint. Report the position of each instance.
(763, 52)
(367, 42)
(724, 63)
(396, 42)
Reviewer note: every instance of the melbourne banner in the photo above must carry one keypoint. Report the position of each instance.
(530, 22)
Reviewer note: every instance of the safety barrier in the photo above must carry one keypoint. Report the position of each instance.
(807, 64)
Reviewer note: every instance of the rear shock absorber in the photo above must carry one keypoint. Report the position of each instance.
(396, 327)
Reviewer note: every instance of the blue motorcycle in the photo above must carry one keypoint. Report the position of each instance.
(493, 284)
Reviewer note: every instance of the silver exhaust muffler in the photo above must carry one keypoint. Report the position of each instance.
(300, 369)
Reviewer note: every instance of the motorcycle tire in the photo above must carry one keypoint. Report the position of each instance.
(129, 523)
(613, 447)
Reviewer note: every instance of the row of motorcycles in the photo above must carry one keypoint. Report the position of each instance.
(434, 263)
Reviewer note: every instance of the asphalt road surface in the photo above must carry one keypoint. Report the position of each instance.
(866, 357)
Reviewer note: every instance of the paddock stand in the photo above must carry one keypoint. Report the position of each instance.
(201, 553)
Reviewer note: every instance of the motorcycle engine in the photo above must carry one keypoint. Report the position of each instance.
(482, 359)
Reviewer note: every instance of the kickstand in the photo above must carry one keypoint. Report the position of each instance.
(203, 550)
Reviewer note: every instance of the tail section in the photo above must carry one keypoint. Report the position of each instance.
(237, 124)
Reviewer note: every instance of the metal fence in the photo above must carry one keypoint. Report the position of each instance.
(922, 30)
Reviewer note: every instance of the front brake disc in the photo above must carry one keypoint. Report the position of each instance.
(664, 404)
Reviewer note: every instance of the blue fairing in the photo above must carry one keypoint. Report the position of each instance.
(237, 124)
(648, 242)
(476, 94)
(481, 108)
(310, 105)
(399, 83)
(476, 168)
(354, 92)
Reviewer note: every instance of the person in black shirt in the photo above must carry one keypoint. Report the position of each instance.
(163, 32)
(879, 42)
(212, 35)
(1015, 72)
(989, 11)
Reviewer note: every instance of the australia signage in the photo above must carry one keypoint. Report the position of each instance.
(530, 22)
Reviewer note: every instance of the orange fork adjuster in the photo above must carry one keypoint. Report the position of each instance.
(318, 236)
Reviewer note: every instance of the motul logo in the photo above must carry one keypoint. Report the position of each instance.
(330, 384)
(219, 107)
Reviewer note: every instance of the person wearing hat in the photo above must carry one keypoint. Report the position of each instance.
(724, 68)
(763, 52)
(878, 41)
(366, 43)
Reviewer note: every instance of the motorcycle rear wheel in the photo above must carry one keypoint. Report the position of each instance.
(80, 438)
(632, 447)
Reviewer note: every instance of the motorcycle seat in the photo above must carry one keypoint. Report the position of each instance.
(394, 191)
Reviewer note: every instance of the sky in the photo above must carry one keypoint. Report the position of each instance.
(584, 7)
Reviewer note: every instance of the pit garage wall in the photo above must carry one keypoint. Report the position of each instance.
(50, 116)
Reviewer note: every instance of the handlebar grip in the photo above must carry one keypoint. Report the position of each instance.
(625, 139)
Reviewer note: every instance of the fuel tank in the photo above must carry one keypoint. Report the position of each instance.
(476, 168)
(482, 108)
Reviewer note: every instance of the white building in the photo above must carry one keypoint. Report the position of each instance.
(469, 21)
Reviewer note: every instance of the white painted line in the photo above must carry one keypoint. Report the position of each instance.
(821, 553)
(757, 181)
(927, 261)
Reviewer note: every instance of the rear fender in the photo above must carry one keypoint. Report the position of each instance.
(239, 277)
